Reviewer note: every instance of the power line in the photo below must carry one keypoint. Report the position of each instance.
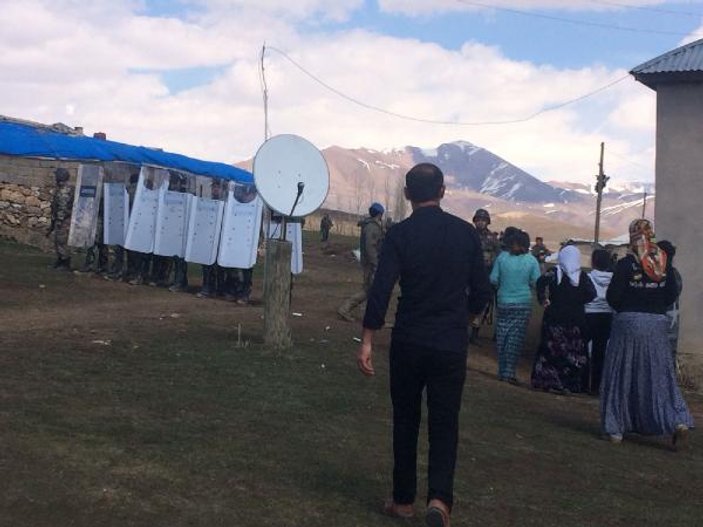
(435, 121)
(650, 9)
(573, 20)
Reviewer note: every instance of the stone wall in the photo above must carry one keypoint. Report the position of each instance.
(26, 187)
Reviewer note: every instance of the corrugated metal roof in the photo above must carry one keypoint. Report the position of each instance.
(688, 58)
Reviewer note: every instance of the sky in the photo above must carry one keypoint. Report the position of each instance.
(540, 83)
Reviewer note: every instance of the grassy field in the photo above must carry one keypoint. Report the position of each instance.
(132, 406)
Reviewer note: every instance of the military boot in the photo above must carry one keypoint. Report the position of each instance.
(64, 264)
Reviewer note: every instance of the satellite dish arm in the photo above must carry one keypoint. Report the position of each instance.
(301, 186)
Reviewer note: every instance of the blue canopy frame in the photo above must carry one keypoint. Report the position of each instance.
(18, 139)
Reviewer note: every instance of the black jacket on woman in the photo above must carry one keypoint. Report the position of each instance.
(566, 301)
(632, 290)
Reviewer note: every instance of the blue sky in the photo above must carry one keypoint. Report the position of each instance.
(184, 75)
(530, 37)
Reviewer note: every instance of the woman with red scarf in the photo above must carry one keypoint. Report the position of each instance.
(639, 393)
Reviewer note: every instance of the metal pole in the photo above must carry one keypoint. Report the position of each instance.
(644, 205)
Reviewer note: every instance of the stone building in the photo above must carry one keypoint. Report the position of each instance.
(677, 77)
(26, 187)
(30, 152)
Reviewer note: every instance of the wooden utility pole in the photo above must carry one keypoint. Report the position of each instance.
(601, 180)
(277, 277)
(277, 263)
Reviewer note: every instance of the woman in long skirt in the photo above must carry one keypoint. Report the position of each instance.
(639, 392)
(562, 355)
(514, 273)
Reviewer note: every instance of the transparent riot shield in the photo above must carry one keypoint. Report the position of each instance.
(204, 226)
(116, 213)
(240, 227)
(116, 201)
(172, 217)
(294, 234)
(86, 204)
(142, 219)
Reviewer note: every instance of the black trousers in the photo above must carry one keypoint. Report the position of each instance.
(412, 370)
(598, 327)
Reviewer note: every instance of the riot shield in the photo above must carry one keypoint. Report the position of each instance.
(172, 223)
(116, 212)
(294, 234)
(204, 226)
(86, 204)
(240, 227)
(142, 219)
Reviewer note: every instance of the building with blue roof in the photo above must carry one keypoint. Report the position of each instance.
(30, 152)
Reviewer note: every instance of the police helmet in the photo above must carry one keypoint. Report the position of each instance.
(61, 175)
(376, 209)
(482, 214)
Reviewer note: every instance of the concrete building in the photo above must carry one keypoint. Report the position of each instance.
(677, 77)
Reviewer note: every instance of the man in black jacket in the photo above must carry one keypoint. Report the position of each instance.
(438, 259)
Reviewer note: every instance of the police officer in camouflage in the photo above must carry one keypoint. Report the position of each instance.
(370, 247)
(61, 208)
(97, 255)
(491, 249)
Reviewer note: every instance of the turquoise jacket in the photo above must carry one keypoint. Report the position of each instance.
(515, 275)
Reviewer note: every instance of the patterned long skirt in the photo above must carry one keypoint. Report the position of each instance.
(639, 392)
(511, 326)
(560, 360)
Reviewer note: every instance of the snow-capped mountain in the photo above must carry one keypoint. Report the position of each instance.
(476, 178)
(475, 168)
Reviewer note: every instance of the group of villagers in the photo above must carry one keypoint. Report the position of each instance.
(618, 314)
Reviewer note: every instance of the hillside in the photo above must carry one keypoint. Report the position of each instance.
(477, 178)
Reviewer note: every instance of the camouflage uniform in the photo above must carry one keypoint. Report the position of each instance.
(61, 208)
(325, 226)
(98, 246)
(490, 246)
(370, 246)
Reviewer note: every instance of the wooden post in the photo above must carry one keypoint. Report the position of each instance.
(277, 333)
(602, 179)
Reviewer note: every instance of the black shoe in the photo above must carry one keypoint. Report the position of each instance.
(473, 339)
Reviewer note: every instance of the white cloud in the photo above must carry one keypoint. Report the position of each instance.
(335, 10)
(82, 66)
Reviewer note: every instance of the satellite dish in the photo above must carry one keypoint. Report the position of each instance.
(291, 175)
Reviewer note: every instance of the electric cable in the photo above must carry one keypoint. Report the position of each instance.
(435, 121)
(573, 20)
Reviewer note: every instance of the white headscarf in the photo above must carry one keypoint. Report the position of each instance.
(569, 265)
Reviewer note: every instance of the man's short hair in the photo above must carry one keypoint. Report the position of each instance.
(424, 182)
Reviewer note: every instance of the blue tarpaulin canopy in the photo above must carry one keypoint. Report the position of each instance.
(18, 139)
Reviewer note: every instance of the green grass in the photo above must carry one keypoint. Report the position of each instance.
(171, 424)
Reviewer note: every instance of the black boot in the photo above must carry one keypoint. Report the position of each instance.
(473, 339)
(63, 264)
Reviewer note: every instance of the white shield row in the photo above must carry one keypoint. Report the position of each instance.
(203, 230)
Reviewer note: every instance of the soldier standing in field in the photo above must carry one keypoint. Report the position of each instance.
(370, 247)
(491, 249)
(96, 256)
(325, 225)
(61, 209)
